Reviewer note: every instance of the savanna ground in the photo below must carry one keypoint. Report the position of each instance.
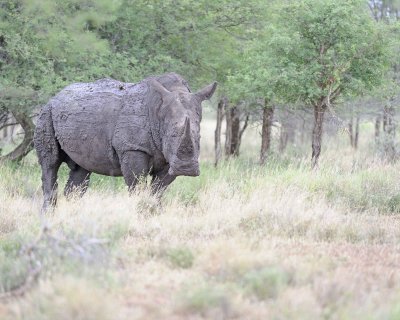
(240, 241)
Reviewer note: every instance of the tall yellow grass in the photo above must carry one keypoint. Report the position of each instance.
(240, 242)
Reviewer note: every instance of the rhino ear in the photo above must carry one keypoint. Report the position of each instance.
(207, 92)
(159, 87)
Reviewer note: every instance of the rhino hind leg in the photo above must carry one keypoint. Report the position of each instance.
(50, 157)
(78, 180)
(49, 184)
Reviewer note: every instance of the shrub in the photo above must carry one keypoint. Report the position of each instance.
(265, 283)
(180, 257)
(200, 299)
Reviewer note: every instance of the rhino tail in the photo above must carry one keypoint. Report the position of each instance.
(45, 141)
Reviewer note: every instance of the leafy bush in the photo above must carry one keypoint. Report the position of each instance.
(180, 257)
(265, 283)
(205, 297)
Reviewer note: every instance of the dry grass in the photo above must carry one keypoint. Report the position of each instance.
(239, 242)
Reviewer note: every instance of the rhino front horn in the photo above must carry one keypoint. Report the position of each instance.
(207, 92)
(186, 147)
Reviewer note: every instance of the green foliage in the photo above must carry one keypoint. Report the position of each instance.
(327, 48)
(45, 45)
(13, 271)
(266, 282)
(310, 50)
(185, 36)
(204, 297)
(180, 257)
(282, 51)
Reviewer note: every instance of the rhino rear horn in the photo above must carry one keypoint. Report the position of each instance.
(207, 92)
(159, 87)
(186, 147)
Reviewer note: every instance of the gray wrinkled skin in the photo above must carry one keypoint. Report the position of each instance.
(120, 129)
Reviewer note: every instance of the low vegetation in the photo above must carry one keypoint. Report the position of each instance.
(241, 241)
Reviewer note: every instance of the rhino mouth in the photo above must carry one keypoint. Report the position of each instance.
(190, 169)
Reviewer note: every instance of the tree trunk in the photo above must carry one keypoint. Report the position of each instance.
(357, 133)
(351, 132)
(233, 131)
(27, 143)
(287, 133)
(354, 131)
(303, 131)
(389, 130)
(217, 136)
(246, 122)
(235, 143)
(319, 111)
(377, 128)
(283, 138)
(268, 113)
(228, 132)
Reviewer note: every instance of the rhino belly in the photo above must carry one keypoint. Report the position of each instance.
(84, 130)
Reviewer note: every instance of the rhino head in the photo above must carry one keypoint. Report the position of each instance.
(179, 119)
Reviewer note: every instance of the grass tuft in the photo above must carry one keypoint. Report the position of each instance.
(265, 283)
(180, 257)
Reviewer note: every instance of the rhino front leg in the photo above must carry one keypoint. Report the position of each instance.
(134, 166)
(161, 180)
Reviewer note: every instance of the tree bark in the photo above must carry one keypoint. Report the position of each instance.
(235, 143)
(287, 133)
(217, 135)
(319, 111)
(351, 132)
(283, 138)
(242, 130)
(356, 133)
(268, 113)
(228, 132)
(377, 128)
(389, 130)
(233, 131)
(27, 143)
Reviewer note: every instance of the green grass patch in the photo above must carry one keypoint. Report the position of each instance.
(265, 283)
(200, 299)
(181, 257)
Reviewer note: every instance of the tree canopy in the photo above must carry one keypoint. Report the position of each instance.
(307, 52)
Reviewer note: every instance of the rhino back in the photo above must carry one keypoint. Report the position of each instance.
(84, 118)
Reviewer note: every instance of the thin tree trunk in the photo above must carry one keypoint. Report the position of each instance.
(235, 143)
(319, 111)
(303, 131)
(357, 132)
(389, 129)
(384, 119)
(351, 132)
(217, 136)
(283, 138)
(268, 113)
(242, 130)
(377, 128)
(233, 132)
(27, 143)
(287, 133)
(228, 133)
